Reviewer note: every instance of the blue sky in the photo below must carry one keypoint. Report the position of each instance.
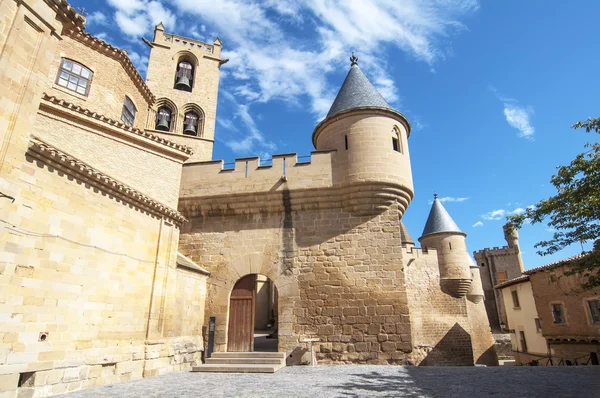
(491, 87)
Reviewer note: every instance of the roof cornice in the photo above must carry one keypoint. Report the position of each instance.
(61, 160)
(117, 54)
(84, 112)
(68, 12)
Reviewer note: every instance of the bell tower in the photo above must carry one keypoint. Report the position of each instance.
(183, 74)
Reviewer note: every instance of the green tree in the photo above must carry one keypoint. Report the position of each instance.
(574, 211)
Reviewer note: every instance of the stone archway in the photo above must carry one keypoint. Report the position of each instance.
(223, 280)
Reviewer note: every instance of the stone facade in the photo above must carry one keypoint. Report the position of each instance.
(498, 265)
(118, 241)
(91, 292)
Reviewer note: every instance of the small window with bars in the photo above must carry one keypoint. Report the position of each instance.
(128, 114)
(74, 76)
(594, 306)
(558, 314)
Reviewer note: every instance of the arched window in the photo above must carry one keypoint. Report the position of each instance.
(74, 76)
(163, 119)
(190, 124)
(184, 77)
(129, 111)
(396, 140)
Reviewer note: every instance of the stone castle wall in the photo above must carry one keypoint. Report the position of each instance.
(339, 277)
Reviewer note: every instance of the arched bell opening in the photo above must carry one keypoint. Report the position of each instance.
(190, 124)
(184, 75)
(253, 315)
(164, 117)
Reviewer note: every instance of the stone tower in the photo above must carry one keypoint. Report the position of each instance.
(184, 74)
(372, 165)
(442, 234)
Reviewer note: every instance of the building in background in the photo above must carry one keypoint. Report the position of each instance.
(498, 265)
(522, 321)
(569, 315)
(551, 318)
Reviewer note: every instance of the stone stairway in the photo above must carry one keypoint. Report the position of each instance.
(243, 362)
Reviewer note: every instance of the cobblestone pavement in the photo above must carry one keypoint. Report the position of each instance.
(366, 381)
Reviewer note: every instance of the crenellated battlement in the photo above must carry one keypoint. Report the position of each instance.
(424, 253)
(496, 251)
(247, 175)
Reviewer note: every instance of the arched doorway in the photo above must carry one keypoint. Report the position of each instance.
(253, 315)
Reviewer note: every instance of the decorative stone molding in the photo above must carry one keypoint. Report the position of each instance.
(61, 160)
(68, 13)
(117, 54)
(114, 123)
(360, 199)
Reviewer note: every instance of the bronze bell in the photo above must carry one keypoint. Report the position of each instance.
(163, 124)
(189, 129)
(183, 82)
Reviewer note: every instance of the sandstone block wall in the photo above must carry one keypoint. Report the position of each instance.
(144, 166)
(446, 330)
(339, 278)
(553, 286)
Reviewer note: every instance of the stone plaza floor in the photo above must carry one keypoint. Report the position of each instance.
(367, 381)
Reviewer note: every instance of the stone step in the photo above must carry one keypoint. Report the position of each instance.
(279, 355)
(248, 361)
(237, 368)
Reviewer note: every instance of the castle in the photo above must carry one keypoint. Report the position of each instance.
(121, 238)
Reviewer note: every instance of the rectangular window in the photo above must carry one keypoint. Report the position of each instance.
(558, 314)
(395, 144)
(128, 114)
(501, 276)
(538, 325)
(523, 341)
(594, 306)
(515, 298)
(346, 141)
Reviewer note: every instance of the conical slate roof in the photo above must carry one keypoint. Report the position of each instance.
(405, 235)
(357, 92)
(439, 220)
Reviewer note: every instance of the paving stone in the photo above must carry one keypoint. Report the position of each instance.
(366, 381)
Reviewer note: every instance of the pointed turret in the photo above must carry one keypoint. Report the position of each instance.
(357, 92)
(442, 233)
(439, 220)
(372, 163)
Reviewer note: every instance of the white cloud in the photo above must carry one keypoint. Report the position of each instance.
(478, 224)
(140, 61)
(502, 213)
(516, 115)
(551, 230)
(138, 17)
(269, 61)
(96, 18)
(253, 137)
(451, 199)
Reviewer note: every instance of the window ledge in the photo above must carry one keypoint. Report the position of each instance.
(178, 135)
(517, 308)
(69, 92)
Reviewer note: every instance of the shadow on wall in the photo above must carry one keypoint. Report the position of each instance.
(454, 349)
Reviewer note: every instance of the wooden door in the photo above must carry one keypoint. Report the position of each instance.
(241, 315)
